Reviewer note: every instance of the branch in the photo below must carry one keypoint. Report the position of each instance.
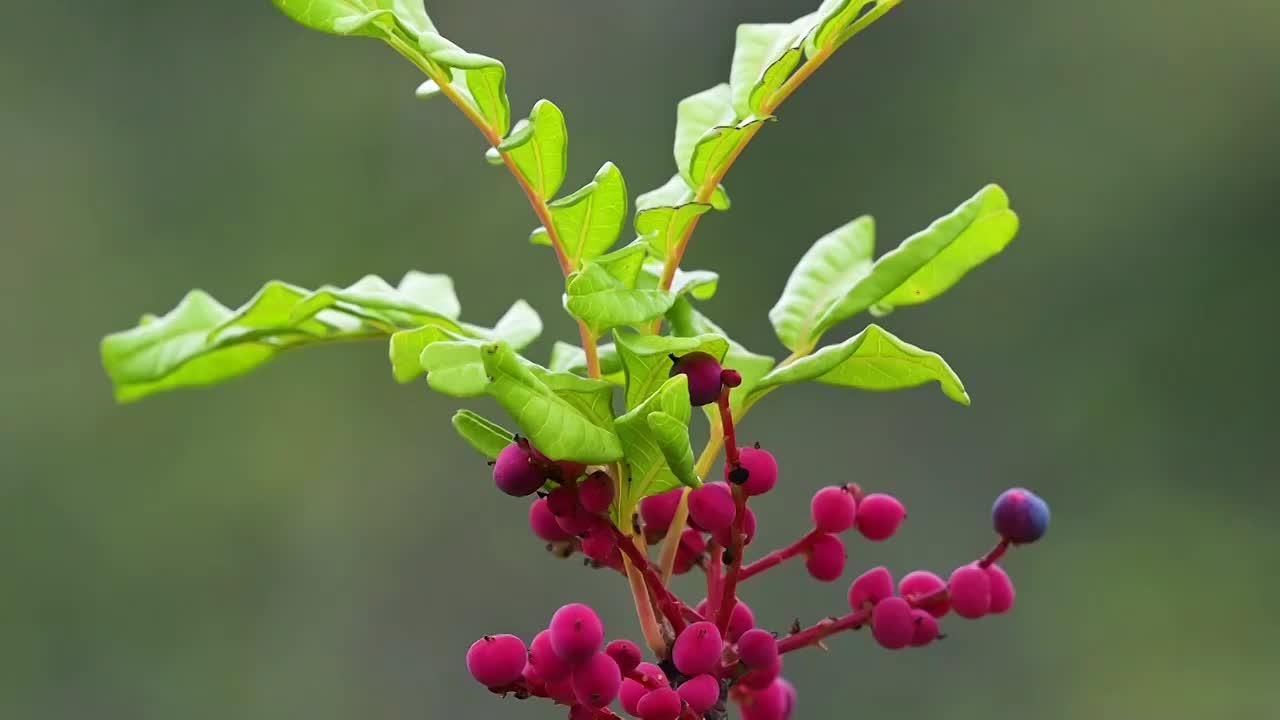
(777, 557)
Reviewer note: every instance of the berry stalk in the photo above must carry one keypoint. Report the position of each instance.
(777, 557)
(671, 543)
(670, 606)
(830, 626)
(729, 593)
(996, 553)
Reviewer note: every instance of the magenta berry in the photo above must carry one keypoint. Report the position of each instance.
(570, 470)
(711, 507)
(581, 712)
(730, 378)
(1002, 593)
(544, 524)
(748, 531)
(741, 618)
(516, 473)
(970, 591)
(758, 649)
(597, 681)
(833, 509)
(562, 501)
(657, 510)
(870, 587)
(576, 633)
(595, 494)
(562, 690)
(692, 545)
(756, 472)
(701, 693)
(598, 543)
(703, 372)
(697, 650)
(926, 628)
(1020, 516)
(892, 623)
(632, 691)
(625, 653)
(497, 660)
(544, 659)
(763, 677)
(879, 516)
(826, 557)
(660, 704)
(577, 522)
(776, 702)
(923, 583)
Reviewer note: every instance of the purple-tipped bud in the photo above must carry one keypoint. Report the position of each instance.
(703, 372)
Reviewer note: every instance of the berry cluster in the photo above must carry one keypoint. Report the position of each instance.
(711, 655)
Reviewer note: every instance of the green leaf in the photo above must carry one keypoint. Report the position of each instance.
(764, 56)
(677, 193)
(373, 18)
(600, 301)
(372, 299)
(981, 227)
(589, 220)
(826, 273)
(406, 349)
(592, 397)
(871, 360)
(625, 263)
(455, 368)
(752, 366)
(484, 78)
(539, 147)
(701, 284)
(555, 425)
(488, 438)
(718, 146)
(646, 359)
(650, 473)
(672, 437)
(519, 326)
(663, 226)
(839, 20)
(571, 358)
(695, 116)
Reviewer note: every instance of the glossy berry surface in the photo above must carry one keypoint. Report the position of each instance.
(833, 510)
(701, 693)
(879, 516)
(870, 587)
(544, 524)
(597, 681)
(595, 493)
(516, 473)
(711, 507)
(922, 583)
(892, 623)
(825, 559)
(970, 590)
(660, 704)
(1002, 592)
(761, 471)
(758, 649)
(703, 372)
(1020, 516)
(576, 633)
(697, 650)
(545, 660)
(497, 660)
(632, 691)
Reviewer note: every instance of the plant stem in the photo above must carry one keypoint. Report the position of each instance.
(729, 592)
(671, 543)
(649, 626)
(777, 557)
(671, 607)
(830, 626)
(713, 579)
(995, 554)
(494, 138)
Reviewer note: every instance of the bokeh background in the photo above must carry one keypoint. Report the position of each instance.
(312, 541)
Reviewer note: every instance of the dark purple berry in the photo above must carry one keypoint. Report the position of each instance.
(516, 473)
(730, 377)
(703, 372)
(595, 494)
(1020, 516)
(497, 660)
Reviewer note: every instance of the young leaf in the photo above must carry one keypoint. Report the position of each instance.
(871, 360)
(539, 147)
(662, 226)
(647, 362)
(373, 18)
(695, 116)
(455, 368)
(484, 77)
(701, 284)
(758, 46)
(591, 396)
(598, 299)
(624, 264)
(981, 227)
(715, 149)
(650, 473)
(828, 271)
(672, 437)
(518, 327)
(573, 359)
(486, 437)
(751, 366)
(839, 20)
(556, 426)
(406, 349)
(589, 220)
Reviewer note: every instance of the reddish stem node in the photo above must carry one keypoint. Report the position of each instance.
(815, 634)
(996, 553)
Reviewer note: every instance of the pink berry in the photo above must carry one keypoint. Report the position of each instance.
(660, 704)
(497, 660)
(577, 522)
(711, 507)
(1002, 593)
(703, 372)
(775, 702)
(926, 628)
(532, 680)
(756, 472)
(697, 650)
(625, 653)
(516, 473)
(543, 658)
(871, 587)
(596, 682)
(544, 524)
(581, 712)
(923, 583)
(562, 690)
(701, 693)
(657, 510)
(570, 470)
(632, 690)
(748, 531)
(595, 494)
(833, 509)
(598, 543)
(562, 501)
(879, 516)
(576, 633)
(740, 621)
(825, 559)
(892, 624)
(758, 648)
(970, 591)
(692, 545)
(762, 677)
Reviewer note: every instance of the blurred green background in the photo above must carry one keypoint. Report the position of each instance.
(312, 541)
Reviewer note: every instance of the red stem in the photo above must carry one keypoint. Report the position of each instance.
(714, 570)
(729, 594)
(672, 609)
(726, 421)
(815, 634)
(996, 553)
(777, 557)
